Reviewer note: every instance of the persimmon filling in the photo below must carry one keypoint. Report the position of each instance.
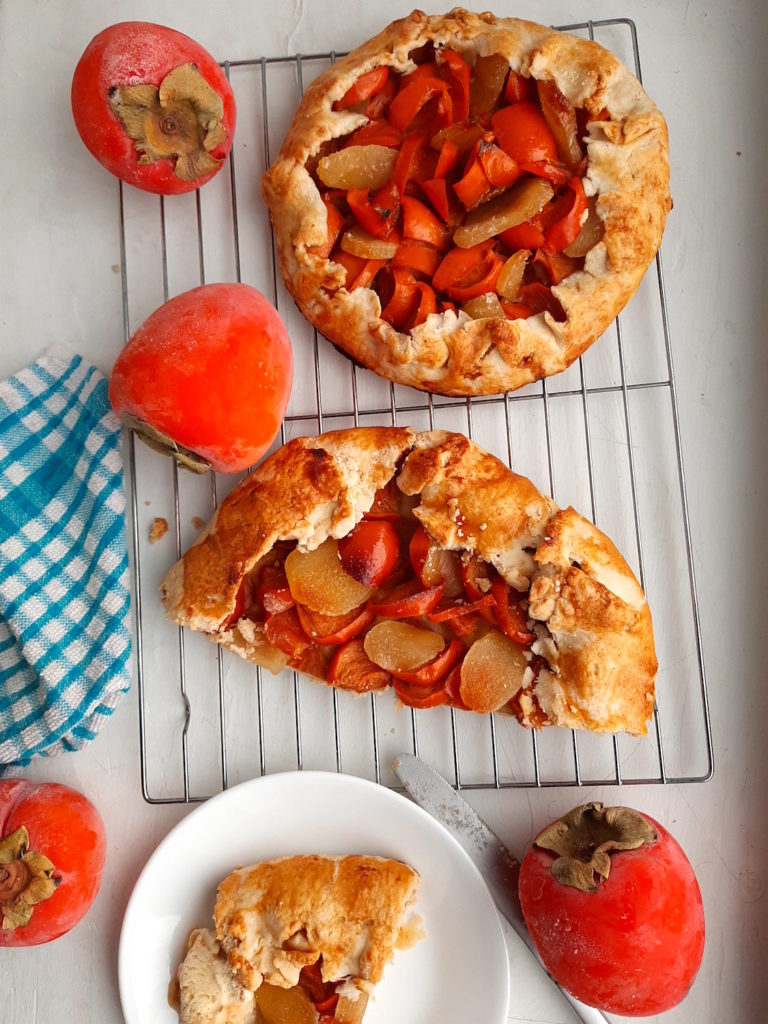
(312, 1001)
(386, 606)
(462, 191)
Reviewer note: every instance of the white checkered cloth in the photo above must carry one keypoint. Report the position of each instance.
(65, 640)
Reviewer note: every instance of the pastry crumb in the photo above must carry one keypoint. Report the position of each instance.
(197, 522)
(158, 529)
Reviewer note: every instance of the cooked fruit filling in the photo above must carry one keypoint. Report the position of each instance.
(311, 1001)
(462, 191)
(386, 606)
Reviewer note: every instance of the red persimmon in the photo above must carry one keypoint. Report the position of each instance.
(52, 848)
(153, 107)
(614, 909)
(207, 377)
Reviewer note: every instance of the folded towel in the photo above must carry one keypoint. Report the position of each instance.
(65, 640)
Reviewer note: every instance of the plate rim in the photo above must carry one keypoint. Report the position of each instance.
(301, 776)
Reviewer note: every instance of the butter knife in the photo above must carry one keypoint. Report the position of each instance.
(494, 861)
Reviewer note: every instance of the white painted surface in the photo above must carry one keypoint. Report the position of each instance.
(704, 64)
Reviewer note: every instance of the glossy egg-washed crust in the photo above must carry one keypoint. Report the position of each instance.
(628, 170)
(276, 917)
(592, 621)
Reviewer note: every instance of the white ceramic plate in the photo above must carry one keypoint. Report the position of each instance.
(458, 974)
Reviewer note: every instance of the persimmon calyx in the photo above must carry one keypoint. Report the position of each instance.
(164, 444)
(181, 120)
(584, 837)
(26, 878)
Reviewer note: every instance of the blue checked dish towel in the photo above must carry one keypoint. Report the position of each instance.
(65, 639)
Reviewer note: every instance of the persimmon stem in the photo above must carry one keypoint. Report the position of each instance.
(26, 878)
(164, 444)
(585, 837)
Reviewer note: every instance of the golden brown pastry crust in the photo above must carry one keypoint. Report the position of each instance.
(278, 916)
(628, 170)
(593, 622)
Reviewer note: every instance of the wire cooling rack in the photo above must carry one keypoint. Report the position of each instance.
(603, 436)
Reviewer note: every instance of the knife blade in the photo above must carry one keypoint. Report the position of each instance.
(499, 868)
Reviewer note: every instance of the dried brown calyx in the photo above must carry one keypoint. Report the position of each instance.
(181, 120)
(164, 444)
(26, 878)
(584, 838)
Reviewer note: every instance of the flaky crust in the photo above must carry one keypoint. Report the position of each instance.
(592, 619)
(628, 170)
(278, 916)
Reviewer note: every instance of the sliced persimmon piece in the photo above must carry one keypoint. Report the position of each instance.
(511, 276)
(399, 296)
(282, 1005)
(364, 86)
(408, 601)
(460, 73)
(370, 552)
(459, 609)
(401, 647)
(285, 632)
(442, 566)
(421, 697)
(518, 87)
(434, 670)
(415, 93)
(417, 257)
(592, 231)
(359, 243)
(334, 224)
(466, 273)
(352, 669)
(329, 630)
(488, 77)
(473, 187)
(522, 132)
(500, 169)
(357, 167)
(557, 174)
(434, 564)
(492, 672)
(463, 135)
(378, 132)
(427, 304)
(510, 616)
(529, 235)
(483, 307)
(560, 115)
(443, 198)
(538, 298)
(513, 207)
(452, 687)
(420, 224)
(318, 581)
(359, 272)
(556, 265)
(450, 155)
(516, 310)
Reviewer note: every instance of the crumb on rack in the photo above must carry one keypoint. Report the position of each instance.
(197, 522)
(158, 529)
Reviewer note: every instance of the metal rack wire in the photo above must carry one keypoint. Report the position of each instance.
(611, 441)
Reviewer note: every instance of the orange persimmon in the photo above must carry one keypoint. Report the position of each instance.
(207, 377)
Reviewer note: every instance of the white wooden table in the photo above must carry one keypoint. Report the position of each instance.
(703, 62)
